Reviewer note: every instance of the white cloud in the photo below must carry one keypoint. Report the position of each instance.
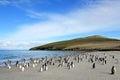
(18, 45)
(100, 17)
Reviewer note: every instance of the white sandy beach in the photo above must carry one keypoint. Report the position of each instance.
(82, 70)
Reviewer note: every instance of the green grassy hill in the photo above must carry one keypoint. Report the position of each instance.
(86, 43)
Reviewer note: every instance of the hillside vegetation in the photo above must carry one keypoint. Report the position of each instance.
(87, 43)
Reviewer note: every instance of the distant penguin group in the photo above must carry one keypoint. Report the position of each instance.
(44, 67)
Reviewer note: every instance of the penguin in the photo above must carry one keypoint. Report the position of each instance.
(69, 66)
(41, 69)
(78, 59)
(62, 63)
(22, 68)
(53, 64)
(113, 70)
(93, 66)
(113, 56)
(105, 61)
(9, 67)
(17, 62)
(33, 65)
(46, 67)
(72, 65)
(27, 65)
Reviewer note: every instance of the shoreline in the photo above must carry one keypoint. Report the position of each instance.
(80, 70)
(19, 59)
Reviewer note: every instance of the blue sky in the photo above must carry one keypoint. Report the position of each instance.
(28, 23)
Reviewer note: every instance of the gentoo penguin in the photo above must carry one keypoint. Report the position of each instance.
(17, 62)
(69, 66)
(113, 70)
(41, 69)
(9, 67)
(105, 61)
(27, 65)
(20, 66)
(93, 65)
(23, 69)
(72, 65)
(113, 56)
(46, 68)
(53, 63)
(62, 63)
(33, 65)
